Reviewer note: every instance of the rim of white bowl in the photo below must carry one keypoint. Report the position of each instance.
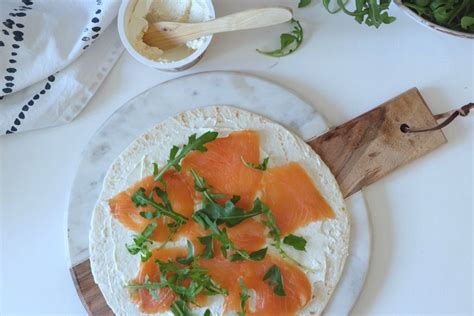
(431, 25)
(171, 66)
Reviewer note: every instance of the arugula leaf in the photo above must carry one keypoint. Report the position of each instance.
(205, 189)
(467, 22)
(223, 238)
(207, 312)
(220, 235)
(244, 296)
(289, 42)
(213, 214)
(238, 257)
(188, 281)
(164, 198)
(259, 254)
(297, 242)
(274, 278)
(270, 222)
(185, 278)
(262, 166)
(255, 256)
(140, 199)
(275, 233)
(180, 308)
(370, 12)
(176, 155)
(228, 214)
(151, 287)
(172, 230)
(208, 252)
(165, 208)
(190, 257)
(304, 3)
(155, 169)
(141, 243)
(327, 3)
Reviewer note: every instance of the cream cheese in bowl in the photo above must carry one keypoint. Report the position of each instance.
(136, 16)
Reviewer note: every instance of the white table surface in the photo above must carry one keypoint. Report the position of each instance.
(421, 215)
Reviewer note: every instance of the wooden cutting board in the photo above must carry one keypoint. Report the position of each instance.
(359, 153)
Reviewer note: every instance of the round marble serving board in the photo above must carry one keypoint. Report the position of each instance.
(204, 89)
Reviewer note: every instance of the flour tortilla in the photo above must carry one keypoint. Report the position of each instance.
(328, 241)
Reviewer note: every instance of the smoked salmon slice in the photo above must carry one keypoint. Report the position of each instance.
(223, 168)
(292, 197)
(150, 270)
(180, 196)
(249, 235)
(297, 286)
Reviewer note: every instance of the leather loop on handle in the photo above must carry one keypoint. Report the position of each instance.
(451, 115)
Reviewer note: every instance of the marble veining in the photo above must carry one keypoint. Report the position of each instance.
(198, 90)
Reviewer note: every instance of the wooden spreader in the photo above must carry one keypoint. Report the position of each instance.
(359, 153)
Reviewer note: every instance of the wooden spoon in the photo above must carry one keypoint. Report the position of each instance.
(166, 35)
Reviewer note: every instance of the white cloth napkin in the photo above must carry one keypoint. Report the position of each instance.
(53, 57)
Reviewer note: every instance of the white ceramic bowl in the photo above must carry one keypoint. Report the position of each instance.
(178, 65)
(429, 24)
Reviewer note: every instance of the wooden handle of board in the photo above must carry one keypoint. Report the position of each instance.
(166, 35)
(369, 147)
(359, 153)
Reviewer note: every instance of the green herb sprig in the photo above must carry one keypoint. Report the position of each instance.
(274, 278)
(140, 199)
(229, 214)
(180, 308)
(304, 3)
(371, 12)
(151, 287)
(244, 296)
(207, 241)
(185, 277)
(190, 258)
(275, 233)
(141, 243)
(297, 242)
(162, 209)
(177, 154)
(213, 214)
(204, 188)
(174, 276)
(289, 42)
(262, 166)
(226, 243)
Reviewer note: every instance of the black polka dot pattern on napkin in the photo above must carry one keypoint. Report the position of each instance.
(22, 115)
(14, 30)
(93, 29)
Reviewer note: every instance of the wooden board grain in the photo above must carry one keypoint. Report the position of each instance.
(359, 153)
(89, 292)
(369, 147)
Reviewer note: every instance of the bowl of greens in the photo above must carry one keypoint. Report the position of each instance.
(454, 17)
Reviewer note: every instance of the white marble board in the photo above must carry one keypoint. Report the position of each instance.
(204, 89)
